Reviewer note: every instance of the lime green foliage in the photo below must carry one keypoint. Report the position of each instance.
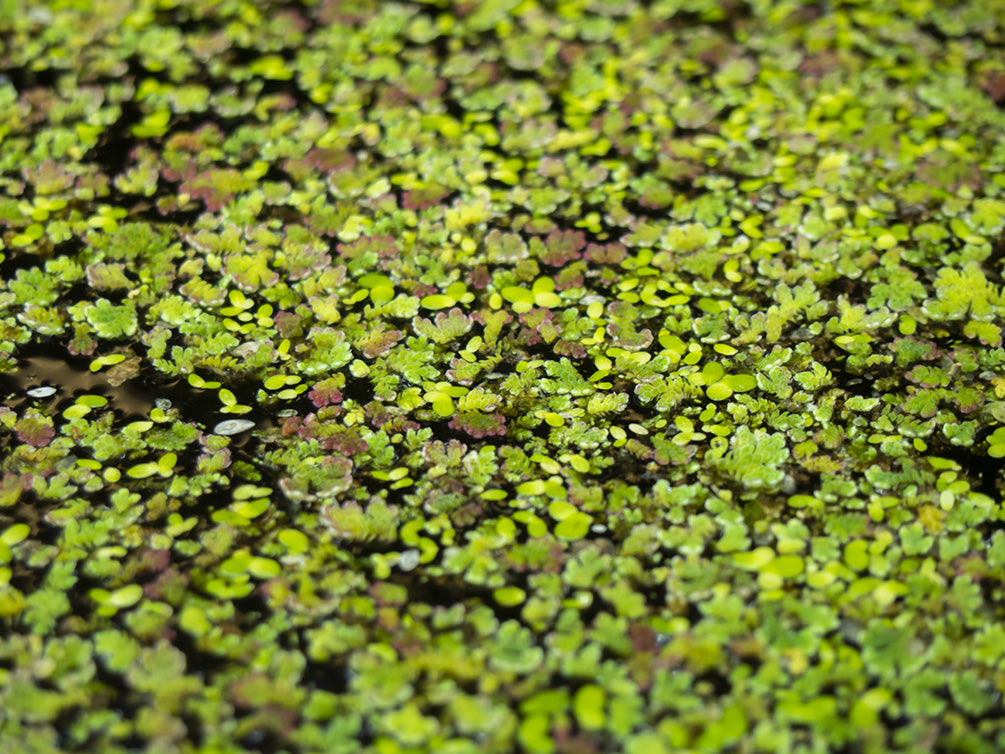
(754, 458)
(996, 443)
(580, 376)
(110, 321)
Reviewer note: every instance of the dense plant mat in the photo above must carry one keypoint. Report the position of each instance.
(578, 376)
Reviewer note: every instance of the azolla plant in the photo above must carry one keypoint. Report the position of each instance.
(504, 376)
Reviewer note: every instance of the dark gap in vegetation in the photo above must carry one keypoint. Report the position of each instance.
(194, 727)
(182, 218)
(855, 290)
(379, 488)
(631, 469)
(933, 30)
(254, 607)
(210, 499)
(180, 19)
(49, 364)
(276, 174)
(360, 549)
(638, 209)
(984, 470)
(598, 605)
(655, 594)
(198, 660)
(331, 675)
(23, 78)
(994, 265)
(44, 531)
(261, 739)
(25, 579)
(443, 590)
(81, 604)
(358, 389)
(20, 259)
(116, 144)
(72, 247)
(456, 111)
(291, 88)
(720, 684)
(191, 122)
(242, 56)
(123, 698)
(65, 720)
(854, 383)
(82, 291)
(366, 735)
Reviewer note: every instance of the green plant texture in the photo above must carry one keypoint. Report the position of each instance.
(549, 377)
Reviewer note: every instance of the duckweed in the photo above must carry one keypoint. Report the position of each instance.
(502, 376)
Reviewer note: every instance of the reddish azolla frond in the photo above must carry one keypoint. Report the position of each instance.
(383, 246)
(543, 556)
(570, 349)
(213, 461)
(330, 434)
(626, 336)
(657, 195)
(638, 449)
(93, 182)
(301, 260)
(572, 276)
(107, 277)
(927, 376)
(910, 349)
(13, 485)
(416, 288)
(538, 325)
(325, 393)
(504, 248)
(48, 177)
(423, 198)
(289, 324)
(612, 253)
(216, 187)
(82, 343)
(560, 247)
(200, 141)
(399, 423)
(374, 344)
(168, 582)
(479, 278)
(324, 161)
(478, 425)
(461, 372)
(969, 399)
(35, 429)
(377, 413)
(346, 441)
(993, 84)
(331, 160)
(294, 425)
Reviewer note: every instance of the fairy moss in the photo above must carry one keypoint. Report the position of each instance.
(573, 376)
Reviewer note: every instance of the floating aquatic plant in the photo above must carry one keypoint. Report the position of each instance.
(493, 376)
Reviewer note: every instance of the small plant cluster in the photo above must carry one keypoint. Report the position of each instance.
(502, 376)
